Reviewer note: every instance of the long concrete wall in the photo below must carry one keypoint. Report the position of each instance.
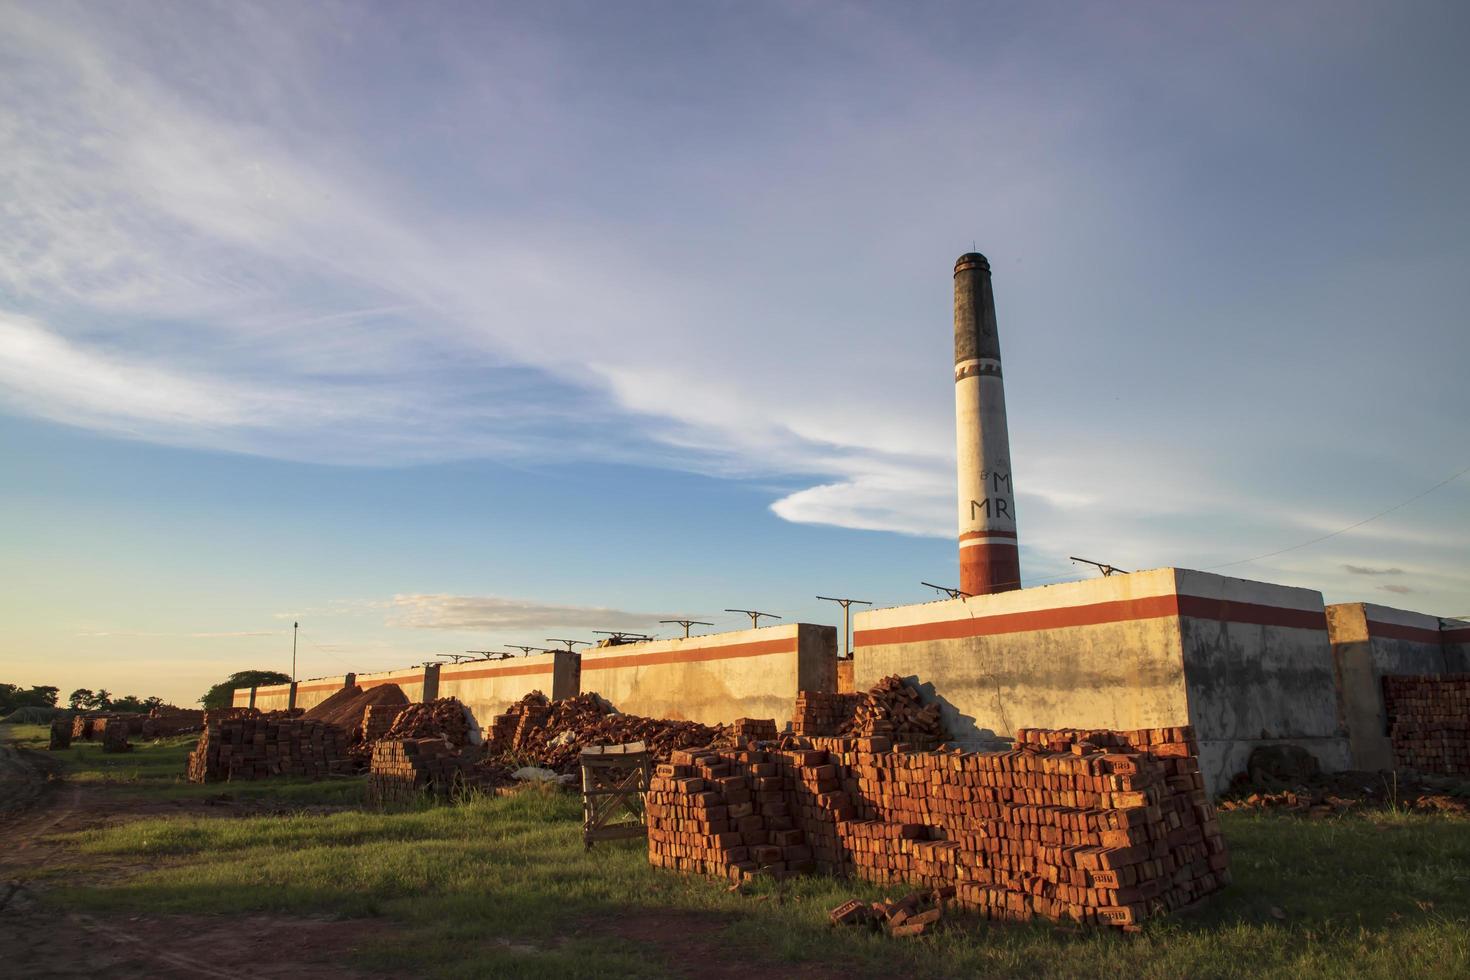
(1143, 650)
(488, 688)
(717, 678)
(1370, 641)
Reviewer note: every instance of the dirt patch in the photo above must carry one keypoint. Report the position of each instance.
(52, 945)
(692, 944)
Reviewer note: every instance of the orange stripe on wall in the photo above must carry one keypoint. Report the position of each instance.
(1398, 631)
(759, 648)
(1455, 636)
(1094, 614)
(521, 671)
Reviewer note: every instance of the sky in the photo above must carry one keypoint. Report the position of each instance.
(448, 326)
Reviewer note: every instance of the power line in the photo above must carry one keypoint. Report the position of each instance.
(1387, 510)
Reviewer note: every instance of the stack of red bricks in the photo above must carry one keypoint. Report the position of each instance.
(115, 734)
(60, 734)
(81, 727)
(1107, 832)
(405, 770)
(1429, 722)
(753, 729)
(261, 747)
(166, 721)
(378, 719)
(512, 729)
(823, 713)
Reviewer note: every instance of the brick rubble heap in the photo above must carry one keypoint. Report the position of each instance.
(1429, 722)
(1108, 829)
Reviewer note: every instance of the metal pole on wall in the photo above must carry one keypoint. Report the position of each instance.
(294, 627)
(846, 621)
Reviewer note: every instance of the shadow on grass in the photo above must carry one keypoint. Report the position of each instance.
(503, 887)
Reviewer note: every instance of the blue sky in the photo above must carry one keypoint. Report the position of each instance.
(457, 325)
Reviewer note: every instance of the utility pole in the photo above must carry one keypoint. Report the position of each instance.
(952, 593)
(618, 637)
(755, 617)
(527, 651)
(294, 628)
(686, 623)
(846, 621)
(1101, 566)
(569, 643)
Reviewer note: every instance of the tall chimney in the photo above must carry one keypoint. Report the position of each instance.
(989, 561)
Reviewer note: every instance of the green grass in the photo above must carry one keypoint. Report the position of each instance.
(1381, 895)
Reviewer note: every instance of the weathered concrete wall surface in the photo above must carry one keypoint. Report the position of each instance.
(487, 688)
(309, 693)
(1368, 642)
(1246, 663)
(409, 679)
(717, 678)
(1455, 635)
(1258, 671)
(1102, 653)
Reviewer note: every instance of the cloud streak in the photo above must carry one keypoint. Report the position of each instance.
(496, 613)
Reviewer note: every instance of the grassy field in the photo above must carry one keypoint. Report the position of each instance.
(503, 887)
(155, 770)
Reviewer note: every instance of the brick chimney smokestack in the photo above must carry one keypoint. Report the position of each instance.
(989, 561)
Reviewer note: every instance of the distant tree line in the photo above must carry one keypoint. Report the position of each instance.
(83, 699)
(14, 696)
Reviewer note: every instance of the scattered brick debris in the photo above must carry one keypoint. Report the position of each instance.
(1330, 794)
(913, 915)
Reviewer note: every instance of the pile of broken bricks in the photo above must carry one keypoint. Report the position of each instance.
(912, 915)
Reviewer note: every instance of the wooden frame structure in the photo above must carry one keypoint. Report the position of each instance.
(614, 780)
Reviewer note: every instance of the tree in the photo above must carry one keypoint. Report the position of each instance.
(12, 696)
(80, 698)
(223, 693)
(149, 703)
(102, 700)
(128, 703)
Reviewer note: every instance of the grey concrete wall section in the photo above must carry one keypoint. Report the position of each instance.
(1259, 672)
(816, 658)
(566, 675)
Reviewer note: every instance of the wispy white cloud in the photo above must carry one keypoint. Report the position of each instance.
(202, 253)
(461, 612)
